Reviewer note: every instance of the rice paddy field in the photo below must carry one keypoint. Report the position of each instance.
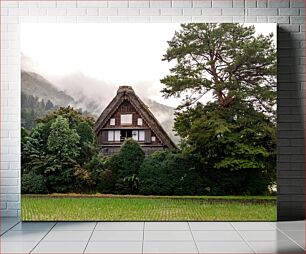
(130, 208)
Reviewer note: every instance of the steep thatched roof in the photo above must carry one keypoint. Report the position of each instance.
(127, 93)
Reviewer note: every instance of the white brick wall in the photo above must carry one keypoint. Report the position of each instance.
(288, 13)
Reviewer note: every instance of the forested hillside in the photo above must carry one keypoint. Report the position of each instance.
(39, 96)
(33, 108)
(37, 86)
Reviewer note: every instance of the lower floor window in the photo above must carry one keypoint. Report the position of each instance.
(121, 135)
(141, 135)
(138, 135)
(114, 135)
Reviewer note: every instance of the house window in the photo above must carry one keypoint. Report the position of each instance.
(141, 135)
(139, 121)
(126, 119)
(112, 121)
(153, 139)
(135, 135)
(113, 136)
(117, 136)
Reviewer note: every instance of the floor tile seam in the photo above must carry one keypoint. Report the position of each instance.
(233, 227)
(90, 237)
(22, 238)
(166, 229)
(117, 241)
(256, 229)
(244, 240)
(43, 241)
(31, 230)
(294, 230)
(171, 230)
(42, 238)
(273, 224)
(290, 238)
(120, 230)
(72, 230)
(195, 243)
(138, 241)
(10, 228)
(231, 224)
(209, 240)
(214, 230)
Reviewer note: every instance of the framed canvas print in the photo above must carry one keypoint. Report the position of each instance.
(148, 122)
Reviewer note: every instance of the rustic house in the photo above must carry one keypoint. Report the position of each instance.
(126, 116)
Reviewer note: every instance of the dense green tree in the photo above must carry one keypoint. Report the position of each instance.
(82, 124)
(73, 116)
(62, 140)
(24, 135)
(227, 60)
(168, 173)
(86, 133)
(54, 165)
(34, 150)
(33, 183)
(126, 165)
(58, 152)
(234, 133)
(102, 176)
(238, 148)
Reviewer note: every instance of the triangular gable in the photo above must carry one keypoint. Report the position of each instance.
(126, 92)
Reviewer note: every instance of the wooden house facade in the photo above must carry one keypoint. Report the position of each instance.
(126, 116)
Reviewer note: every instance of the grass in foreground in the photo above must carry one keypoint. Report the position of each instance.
(148, 209)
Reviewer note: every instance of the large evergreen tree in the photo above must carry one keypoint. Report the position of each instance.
(228, 60)
(234, 130)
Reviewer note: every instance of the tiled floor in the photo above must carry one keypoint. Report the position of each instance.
(152, 237)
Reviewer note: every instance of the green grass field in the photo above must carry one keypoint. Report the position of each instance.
(63, 208)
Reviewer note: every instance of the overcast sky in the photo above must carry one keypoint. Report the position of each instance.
(119, 54)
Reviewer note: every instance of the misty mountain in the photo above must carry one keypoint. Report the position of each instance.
(93, 95)
(37, 86)
(165, 116)
(88, 94)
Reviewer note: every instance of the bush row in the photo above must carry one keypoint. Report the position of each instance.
(60, 155)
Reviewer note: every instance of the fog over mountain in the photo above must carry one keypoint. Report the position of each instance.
(89, 94)
(36, 85)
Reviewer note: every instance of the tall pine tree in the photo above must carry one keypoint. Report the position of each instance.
(234, 131)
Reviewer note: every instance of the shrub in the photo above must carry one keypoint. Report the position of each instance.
(105, 182)
(83, 179)
(169, 173)
(248, 182)
(33, 183)
(126, 165)
(102, 176)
